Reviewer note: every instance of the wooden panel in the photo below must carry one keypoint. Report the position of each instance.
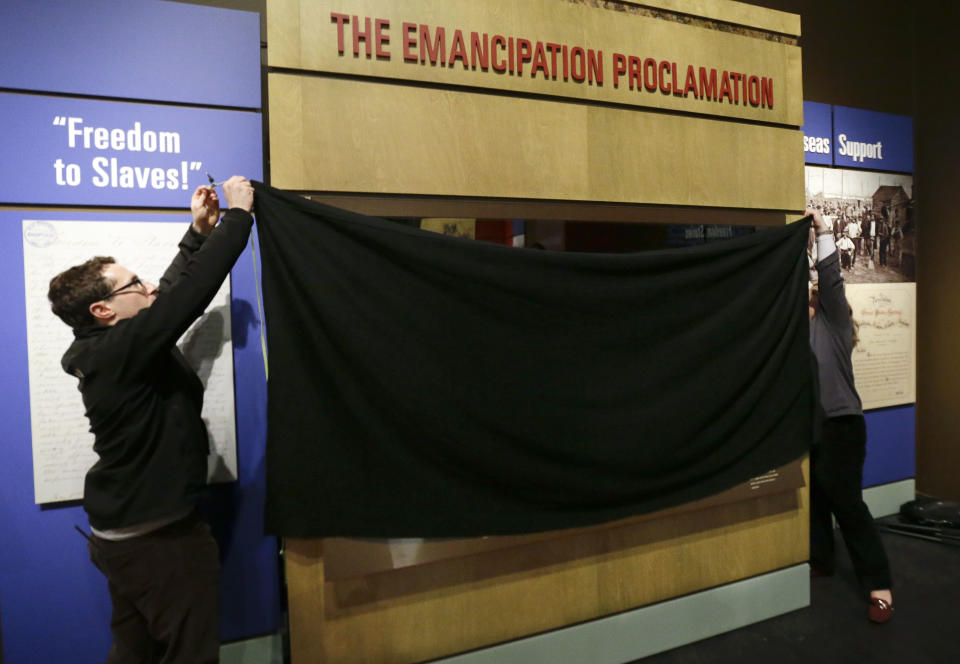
(303, 35)
(348, 557)
(406, 206)
(424, 612)
(338, 135)
(284, 36)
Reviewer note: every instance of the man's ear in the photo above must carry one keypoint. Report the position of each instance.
(102, 312)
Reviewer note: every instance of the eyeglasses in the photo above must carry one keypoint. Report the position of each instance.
(136, 282)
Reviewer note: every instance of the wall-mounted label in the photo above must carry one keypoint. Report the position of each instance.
(164, 51)
(817, 133)
(872, 140)
(544, 47)
(67, 151)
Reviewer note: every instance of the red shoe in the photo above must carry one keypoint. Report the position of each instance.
(880, 611)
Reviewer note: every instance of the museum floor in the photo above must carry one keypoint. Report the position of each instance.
(834, 628)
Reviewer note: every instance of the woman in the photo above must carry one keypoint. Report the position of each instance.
(836, 459)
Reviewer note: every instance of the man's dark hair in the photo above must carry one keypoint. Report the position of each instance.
(74, 290)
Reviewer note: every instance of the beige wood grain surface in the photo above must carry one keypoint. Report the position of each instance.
(429, 611)
(303, 35)
(336, 135)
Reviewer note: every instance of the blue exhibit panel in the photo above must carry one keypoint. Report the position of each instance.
(817, 134)
(68, 151)
(890, 445)
(872, 140)
(54, 604)
(158, 51)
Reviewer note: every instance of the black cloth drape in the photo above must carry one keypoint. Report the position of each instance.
(423, 385)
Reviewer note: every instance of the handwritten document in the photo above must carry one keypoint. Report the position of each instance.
(885, 360)
(62, 442)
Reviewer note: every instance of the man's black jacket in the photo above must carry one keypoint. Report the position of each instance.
(142, 399)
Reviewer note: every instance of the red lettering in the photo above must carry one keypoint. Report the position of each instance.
(754, 85)
(736, 86)
(409, 40)
(499, 41)
(479, 51)
(595, 65)
(578, 74)
(379, 25)
(458, 49)
(340, 19)
(650, 74)
(436, 49)
(676, 88)
(725, 88)
(690, 85)
(636, 72)
(766, 92)
(510, 53)
(619, 67)
(566, 63)
(554, 49)
(362, 35)
(540, 62)
(664, 66)
(708, 85)
(523, 49)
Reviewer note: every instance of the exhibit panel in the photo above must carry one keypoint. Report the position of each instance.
(859, 175)
(62, 441)
(383, 135)
(147, 51)
(114, 113)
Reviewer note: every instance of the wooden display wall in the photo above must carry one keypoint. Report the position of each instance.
(613, 107)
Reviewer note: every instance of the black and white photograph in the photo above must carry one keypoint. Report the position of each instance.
(873, 218)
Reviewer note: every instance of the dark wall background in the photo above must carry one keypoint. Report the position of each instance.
(856, 52)
(936, 62)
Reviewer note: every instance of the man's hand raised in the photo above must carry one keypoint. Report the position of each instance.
(239, 193)
(819, 224)
(205, 207)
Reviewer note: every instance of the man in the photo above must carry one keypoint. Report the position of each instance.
(869, 227)
(896, 235)
(853, 232)
(143, 402)
(883, 239)
(839, 224)
(846, 248)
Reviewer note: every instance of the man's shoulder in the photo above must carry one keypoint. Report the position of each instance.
(83, 343)
(83, 355)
